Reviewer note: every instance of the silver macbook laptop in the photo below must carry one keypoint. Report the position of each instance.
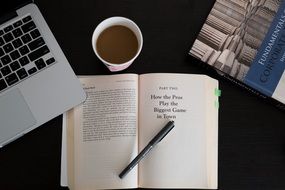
(36, 80)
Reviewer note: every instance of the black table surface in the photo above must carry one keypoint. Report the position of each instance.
(251, 132)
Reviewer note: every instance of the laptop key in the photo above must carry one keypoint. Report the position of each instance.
(1, 52)
(8, 37)
(40, 63)
(11, 79)
(17, 43)
(8, 28)
(8, 48)
(5, 70)
(1, 41)
(36, 43)
(22, 73)
(29, 26)
(17, 32)
(18, 23)
(35, 33)
(15, 65)
(24, 50)
(50, 61)
(15, 55)
(3, 84)
(32, 70)
(6, 59)
(26, 38)
(27, 18)
(38, 53)
(1, 32)
(24, 61)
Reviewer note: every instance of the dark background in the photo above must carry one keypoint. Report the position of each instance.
(251, 132)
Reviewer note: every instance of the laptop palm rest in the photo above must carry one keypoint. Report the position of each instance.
(16, 116)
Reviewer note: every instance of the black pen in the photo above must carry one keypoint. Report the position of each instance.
(162, 133)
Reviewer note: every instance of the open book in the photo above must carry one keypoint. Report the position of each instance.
(123, 113)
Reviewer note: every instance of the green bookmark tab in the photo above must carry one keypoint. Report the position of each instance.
(218, 92)
(217, 104)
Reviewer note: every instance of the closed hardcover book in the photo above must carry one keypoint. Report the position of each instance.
(245, 42)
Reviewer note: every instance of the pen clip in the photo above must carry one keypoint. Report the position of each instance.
(166, 133)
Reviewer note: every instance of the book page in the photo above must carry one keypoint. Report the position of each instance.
(180, 159)
(63, 162)
(212, 132)
(105, 134)
(69, 121)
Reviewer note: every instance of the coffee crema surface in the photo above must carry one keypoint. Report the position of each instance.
(117, 44)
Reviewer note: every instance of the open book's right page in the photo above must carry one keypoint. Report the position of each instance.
(187, 156)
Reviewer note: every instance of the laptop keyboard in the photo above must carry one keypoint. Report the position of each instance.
(23, 52)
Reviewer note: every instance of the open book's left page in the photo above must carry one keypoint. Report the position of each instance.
(105, 133)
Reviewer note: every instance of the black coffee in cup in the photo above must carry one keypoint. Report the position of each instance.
(117, 44)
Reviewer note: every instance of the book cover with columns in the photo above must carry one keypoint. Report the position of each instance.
(245, 39)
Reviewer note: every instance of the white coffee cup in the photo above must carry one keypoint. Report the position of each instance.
(112, 21)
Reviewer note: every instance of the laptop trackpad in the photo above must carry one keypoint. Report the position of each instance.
(15, 115)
